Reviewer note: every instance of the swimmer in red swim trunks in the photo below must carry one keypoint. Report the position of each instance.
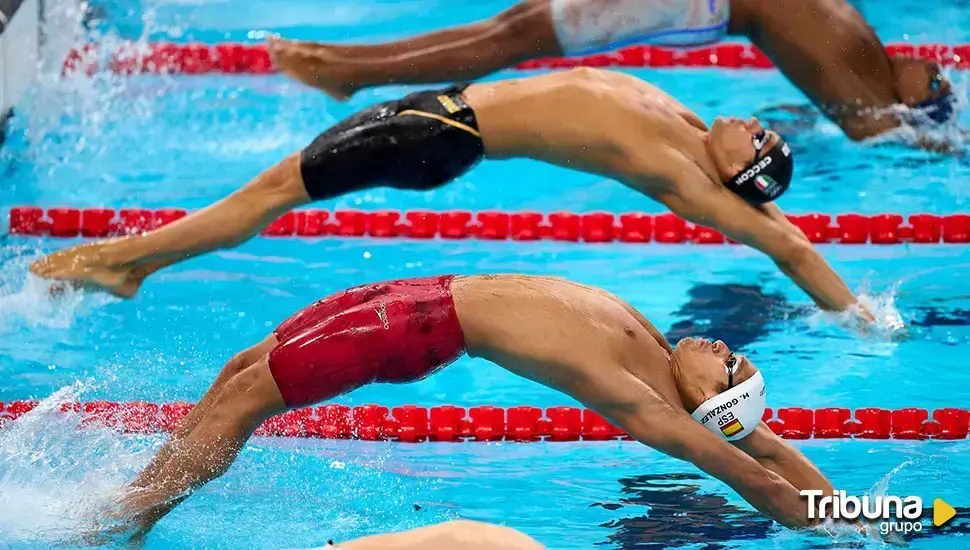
(825, 48)
(602, 122)
(577, 339)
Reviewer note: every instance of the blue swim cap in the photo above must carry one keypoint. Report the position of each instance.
(940, 109)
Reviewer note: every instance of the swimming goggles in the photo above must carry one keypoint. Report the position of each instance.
(731, 366)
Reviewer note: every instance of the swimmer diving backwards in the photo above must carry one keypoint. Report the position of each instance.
(698, 402)
(824, 47)
(602, 122)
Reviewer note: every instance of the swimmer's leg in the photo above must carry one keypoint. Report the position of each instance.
(235, 366)
(245, 401)
(390, 144)
(120, 265)
(467, 52)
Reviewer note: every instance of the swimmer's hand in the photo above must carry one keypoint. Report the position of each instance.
(886, 322)
(840, 530)
(892, 538)
(858, 317)
(941, 146)
(863, 312)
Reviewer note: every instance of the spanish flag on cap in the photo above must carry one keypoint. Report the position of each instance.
(732, 427)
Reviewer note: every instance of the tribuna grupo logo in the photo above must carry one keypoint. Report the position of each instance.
(892, 513)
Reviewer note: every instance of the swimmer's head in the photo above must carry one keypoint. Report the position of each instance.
(754, 163)
(724, 391)
(921, 86)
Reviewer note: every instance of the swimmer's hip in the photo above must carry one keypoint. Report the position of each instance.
(418, 143)
(584, 26)
(391, 332)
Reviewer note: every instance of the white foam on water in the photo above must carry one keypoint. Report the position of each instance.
(842, 533)
(949, 134)
(889, 323)
(25, 299)
(55, 475)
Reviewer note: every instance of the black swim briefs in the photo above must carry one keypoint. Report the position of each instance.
(420, 142)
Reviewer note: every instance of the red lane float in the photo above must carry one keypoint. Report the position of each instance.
(410, 423)
(594, 227)
(230, 58)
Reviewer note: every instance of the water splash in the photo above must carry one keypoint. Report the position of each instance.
(889, 324)
(949, 136)
(846, 534)
(54, 476)
(25, 299)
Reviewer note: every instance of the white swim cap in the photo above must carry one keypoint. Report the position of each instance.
(734, 414)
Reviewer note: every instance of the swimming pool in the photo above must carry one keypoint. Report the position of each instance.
(156, 141)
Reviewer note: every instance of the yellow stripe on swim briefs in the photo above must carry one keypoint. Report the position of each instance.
(448, 104)
(442, 119)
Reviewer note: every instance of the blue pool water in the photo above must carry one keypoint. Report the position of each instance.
(156, 141)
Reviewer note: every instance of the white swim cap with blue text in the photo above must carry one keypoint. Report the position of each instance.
(735, 413)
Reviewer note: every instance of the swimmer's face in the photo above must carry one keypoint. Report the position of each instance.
(918, 80)
(702, 369)
(733, 142)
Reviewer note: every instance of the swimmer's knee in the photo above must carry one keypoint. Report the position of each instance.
(238, 362)
(250, 393)
(528, 23)
(234, 366)
(281, 185)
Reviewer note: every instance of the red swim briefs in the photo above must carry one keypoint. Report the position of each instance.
(396, 331)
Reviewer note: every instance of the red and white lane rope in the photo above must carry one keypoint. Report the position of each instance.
(593, 227)
(486, 423)
(232, 58)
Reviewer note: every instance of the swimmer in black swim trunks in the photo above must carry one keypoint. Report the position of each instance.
(602, 122)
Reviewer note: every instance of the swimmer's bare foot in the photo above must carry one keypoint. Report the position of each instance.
(103, 525)
(84, 266)
(311, 64)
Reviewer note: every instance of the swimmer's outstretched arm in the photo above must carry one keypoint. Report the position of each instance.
(866, 126)
(781, 457)
(772, 211)
(655, 423)
(714, 206)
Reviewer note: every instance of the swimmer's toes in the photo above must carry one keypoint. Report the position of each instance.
(41, 267)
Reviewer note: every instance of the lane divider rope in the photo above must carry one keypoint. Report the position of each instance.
(592, 227)
(411, 423)
(233, 58)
